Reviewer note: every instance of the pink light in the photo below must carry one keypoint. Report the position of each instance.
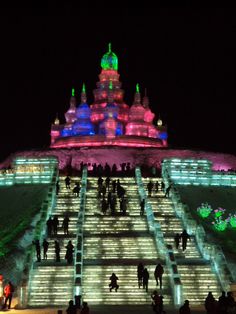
(55, 133)
(98, 140)
(97, 117)
(149, 116)
(123, 117)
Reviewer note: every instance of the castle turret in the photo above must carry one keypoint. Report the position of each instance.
(70, 116)
(83, 125)
(56, 129)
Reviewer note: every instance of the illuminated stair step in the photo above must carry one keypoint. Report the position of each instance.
(197, 281)
(96, 280)
(121, 249)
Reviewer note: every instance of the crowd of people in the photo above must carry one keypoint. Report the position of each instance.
(110, 192)
(155, 187)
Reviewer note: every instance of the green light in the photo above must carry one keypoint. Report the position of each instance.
(219, 224)
(232, 221)
(109, 60)
(219, 212)
(137, 88)
(204, 210)
(110, 85)
(83, 88)
(73, 92)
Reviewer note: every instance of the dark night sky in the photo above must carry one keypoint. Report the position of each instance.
(185, 58)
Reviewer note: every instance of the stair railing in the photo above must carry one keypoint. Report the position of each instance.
(39, 231)
(209, 251)
(165, 251)
(78, 271)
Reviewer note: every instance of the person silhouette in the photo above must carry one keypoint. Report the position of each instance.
(45, 248)
(113, 284)
(71, 308)
(185, 309)
(38, 249)
(158, 273)
(177, 240)
(145, 279)
(140, 269)
(8, 293)
(185, 237)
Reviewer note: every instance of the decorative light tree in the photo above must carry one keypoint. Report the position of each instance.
(232, 220)
(204, 210)
(220, 224)
(219, 212)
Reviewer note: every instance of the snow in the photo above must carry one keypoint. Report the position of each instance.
(19, 208)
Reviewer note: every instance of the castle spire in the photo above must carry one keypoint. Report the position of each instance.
(83, 95)
(145, 100)
(83, 88)
(72, 99)
(137, 96)
(109, 47)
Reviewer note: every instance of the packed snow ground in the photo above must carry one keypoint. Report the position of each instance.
(19, 206)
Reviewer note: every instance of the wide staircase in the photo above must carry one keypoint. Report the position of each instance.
(51, 282)
(197, 275)
(116, 244)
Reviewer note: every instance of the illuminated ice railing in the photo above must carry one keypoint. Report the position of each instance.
(39, 232)
(79, 252)
(195, 172)
(167, 254)
(209, 251)
(34, 170)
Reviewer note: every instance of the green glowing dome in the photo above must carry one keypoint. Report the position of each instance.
(109, 60)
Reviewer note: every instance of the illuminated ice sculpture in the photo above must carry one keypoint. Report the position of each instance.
(109, 120)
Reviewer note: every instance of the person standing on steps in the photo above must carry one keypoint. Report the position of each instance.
(45, 248)
(142, 207)
(167, 193)
(177, 240)
(55, 224)
(65, 224)
(38, 250)
(57, 187)
(157, 184)
(145, 279)
(57, 251)
(149, 188)
(185, 237)
(162, 186)
(140, 270)
(67, 182)
(49, 226)
(69, 252)
(158, 273)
